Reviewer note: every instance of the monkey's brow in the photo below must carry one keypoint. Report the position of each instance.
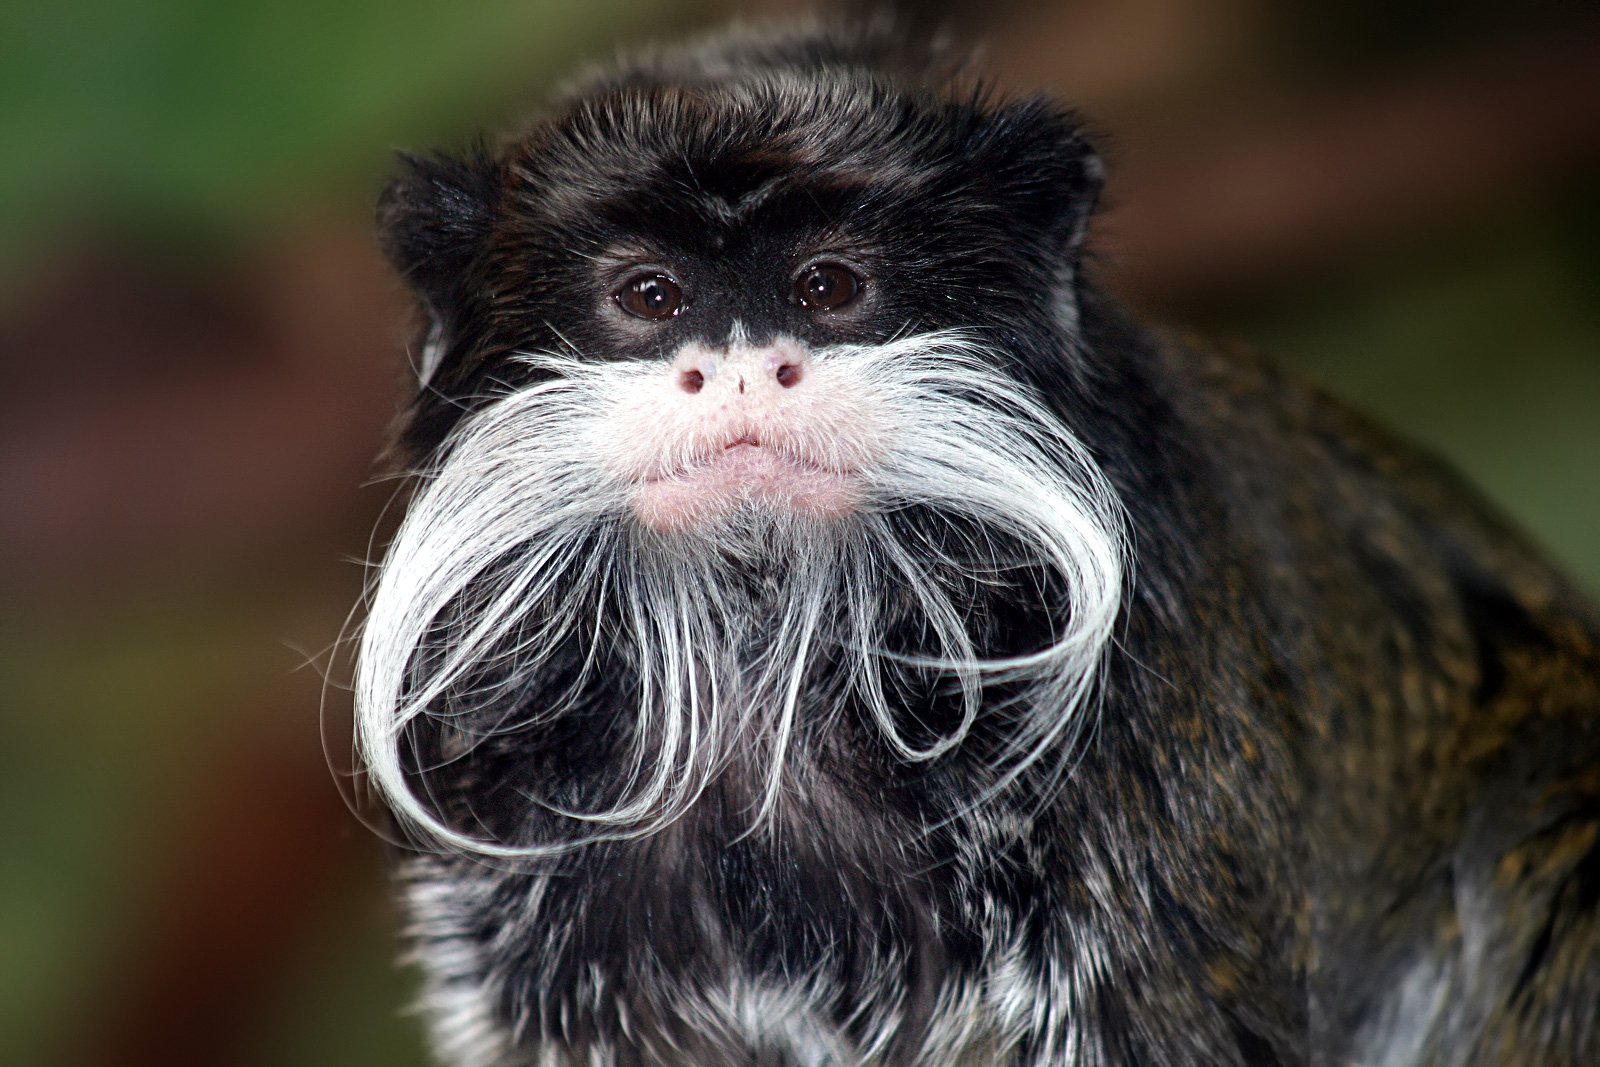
(735, 210)
(624, 255)
(721, 206)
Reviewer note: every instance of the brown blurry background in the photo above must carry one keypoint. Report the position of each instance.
(199, 351)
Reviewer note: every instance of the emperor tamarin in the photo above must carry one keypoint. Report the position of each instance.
(826, 631)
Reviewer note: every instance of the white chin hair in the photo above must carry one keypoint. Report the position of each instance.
(524, 523)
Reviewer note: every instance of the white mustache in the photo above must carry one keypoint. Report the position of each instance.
(522, 539)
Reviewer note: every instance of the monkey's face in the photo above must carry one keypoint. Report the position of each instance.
(830, 208)
(731, 392)
(722, 292)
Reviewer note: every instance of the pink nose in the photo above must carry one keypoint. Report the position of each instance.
(785, 370)
(767, 426)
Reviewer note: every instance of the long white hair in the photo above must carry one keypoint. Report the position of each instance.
(522, 540)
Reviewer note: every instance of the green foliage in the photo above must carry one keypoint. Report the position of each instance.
(190, 114)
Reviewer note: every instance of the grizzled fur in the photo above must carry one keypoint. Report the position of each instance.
(1337, 796)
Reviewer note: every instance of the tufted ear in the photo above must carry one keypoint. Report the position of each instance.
(1043, 169)
(434, 219)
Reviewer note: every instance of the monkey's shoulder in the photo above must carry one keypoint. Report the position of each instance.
(1279, 447)
(1436, 681)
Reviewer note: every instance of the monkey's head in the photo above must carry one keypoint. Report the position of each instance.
(735, 454)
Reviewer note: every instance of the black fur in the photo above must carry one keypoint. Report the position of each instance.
(1346, 766)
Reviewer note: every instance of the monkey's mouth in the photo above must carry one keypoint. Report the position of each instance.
(744, 471)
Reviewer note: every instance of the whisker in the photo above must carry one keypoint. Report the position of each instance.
(708, 643)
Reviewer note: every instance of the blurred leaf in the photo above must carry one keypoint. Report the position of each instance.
(212, 113)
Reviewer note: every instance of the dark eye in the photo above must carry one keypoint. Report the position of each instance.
(826, 286)
(651, 296)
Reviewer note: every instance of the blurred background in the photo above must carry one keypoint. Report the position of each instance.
(200, 351)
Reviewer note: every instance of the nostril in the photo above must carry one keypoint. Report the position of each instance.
(691, 381)
(789, 375)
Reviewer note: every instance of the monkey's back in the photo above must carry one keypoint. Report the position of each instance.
(1439, 686)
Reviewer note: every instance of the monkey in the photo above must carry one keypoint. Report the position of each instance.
(828, 631)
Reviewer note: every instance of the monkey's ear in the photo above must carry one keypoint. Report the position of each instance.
(434, 220)
(1045, 170)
